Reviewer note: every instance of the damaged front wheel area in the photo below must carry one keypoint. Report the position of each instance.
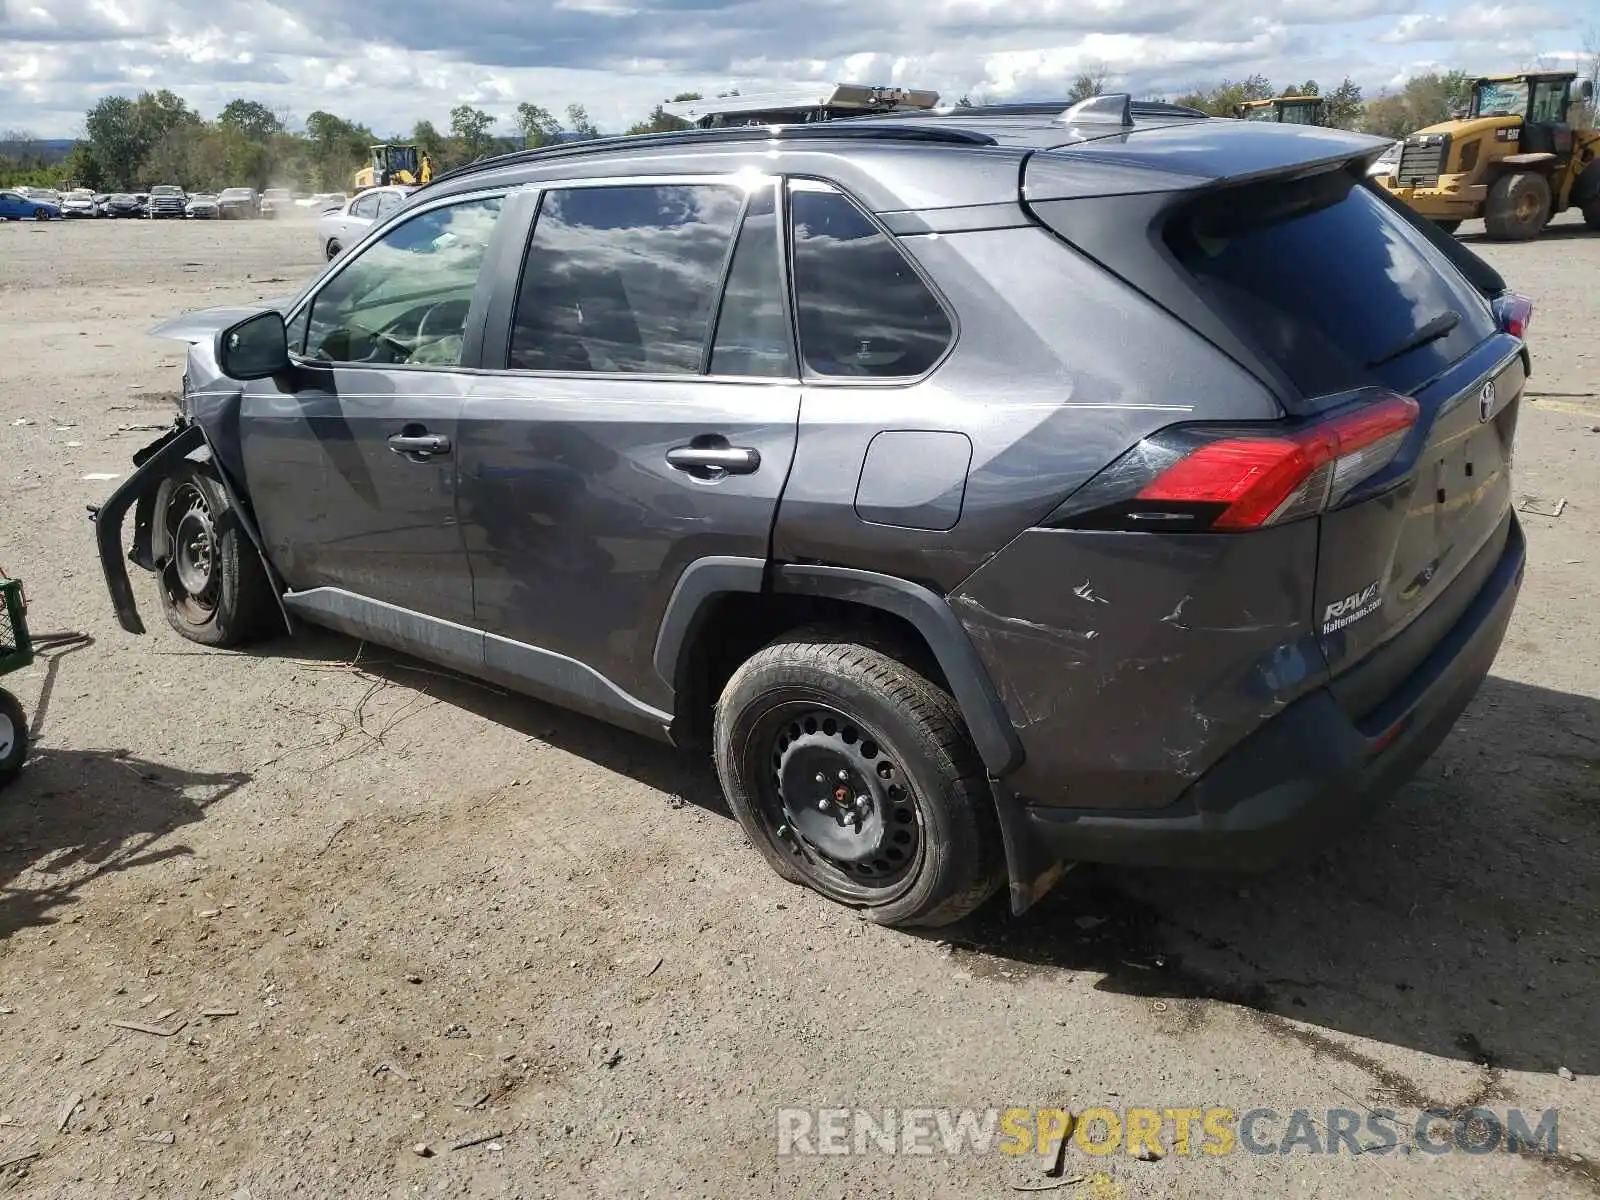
(213, 587)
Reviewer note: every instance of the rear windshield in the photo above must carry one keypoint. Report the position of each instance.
(1329, 284)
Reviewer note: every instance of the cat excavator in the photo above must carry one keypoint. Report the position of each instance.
(391, 164)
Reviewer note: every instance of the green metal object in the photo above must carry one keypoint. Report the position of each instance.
(16, 648)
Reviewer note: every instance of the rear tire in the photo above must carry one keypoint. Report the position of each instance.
(13, 737)
(334, 250)
(1517, 208)
(41, 214)
(901, 824)
(214, 589)
(1448, 226)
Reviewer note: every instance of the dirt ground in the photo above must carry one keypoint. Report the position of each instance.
(368, 908)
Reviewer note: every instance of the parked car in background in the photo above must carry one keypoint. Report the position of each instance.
(15, 205)
(100, 199)
(342, 226)
(167, 200)
(202, 207)
(321, 202)
(43, 195)
(277, 202)
(238, 204)
(124, 204)
(79, 203)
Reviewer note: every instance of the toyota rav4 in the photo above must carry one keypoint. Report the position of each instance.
(990, 490)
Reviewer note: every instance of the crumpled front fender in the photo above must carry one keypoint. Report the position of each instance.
(152, 464)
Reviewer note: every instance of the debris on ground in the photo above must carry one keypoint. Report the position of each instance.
(165, 1138)
(1565, 1074)
(1541, 507)
(476, 1139)
(14, 1159)
(153, 1030)
(67, 1109)
(422, 1150)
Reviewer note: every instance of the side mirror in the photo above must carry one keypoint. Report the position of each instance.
(255, 348)
(1586, 90)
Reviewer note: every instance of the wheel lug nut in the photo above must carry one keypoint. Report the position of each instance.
(783, 832)
(823, 805)
(844, 776)
(863, 803)
(821, 778)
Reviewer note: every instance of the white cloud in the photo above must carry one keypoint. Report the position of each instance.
(412, 59)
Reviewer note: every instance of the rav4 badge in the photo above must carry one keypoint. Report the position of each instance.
(1352, 608)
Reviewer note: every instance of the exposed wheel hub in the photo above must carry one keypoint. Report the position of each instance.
(830, 800)
(193, 550)
(8, 735)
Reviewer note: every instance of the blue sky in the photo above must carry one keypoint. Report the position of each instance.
(388, 63)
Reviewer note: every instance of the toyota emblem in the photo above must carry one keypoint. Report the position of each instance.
(1486, 401)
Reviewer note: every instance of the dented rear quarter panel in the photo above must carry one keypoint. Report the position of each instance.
(1131, 662)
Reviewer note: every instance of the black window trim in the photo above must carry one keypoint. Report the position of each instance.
(810, 378)
(393, 219)
(737, 179)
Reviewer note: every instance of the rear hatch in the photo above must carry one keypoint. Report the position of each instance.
(1287, 261)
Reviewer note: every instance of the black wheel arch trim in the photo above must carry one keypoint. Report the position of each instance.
(702, 581)
(930, 614)
(152, 465)
(1586, 186)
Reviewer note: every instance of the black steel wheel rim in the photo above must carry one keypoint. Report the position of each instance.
(191, 574)
(836, 800)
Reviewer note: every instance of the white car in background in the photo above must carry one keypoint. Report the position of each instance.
(202, 207)
(345, 226)
(322, 202)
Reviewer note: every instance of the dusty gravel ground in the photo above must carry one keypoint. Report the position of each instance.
(434, 912)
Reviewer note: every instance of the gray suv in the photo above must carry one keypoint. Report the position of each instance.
(991, 490)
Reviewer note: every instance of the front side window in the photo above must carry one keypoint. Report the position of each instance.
(404, 299)
(623, 278)
(862, 310)
(366, 207)
(1549, 103)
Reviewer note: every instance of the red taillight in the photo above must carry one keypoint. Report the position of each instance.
(1265, 480)
(1514, 312)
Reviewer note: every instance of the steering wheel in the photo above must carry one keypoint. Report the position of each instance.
(422, 325)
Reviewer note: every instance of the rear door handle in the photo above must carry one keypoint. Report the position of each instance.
(419, 446)
(715, 460)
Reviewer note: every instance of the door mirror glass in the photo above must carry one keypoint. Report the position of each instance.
(255, 348)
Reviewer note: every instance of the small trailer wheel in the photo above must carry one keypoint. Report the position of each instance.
(13, 736)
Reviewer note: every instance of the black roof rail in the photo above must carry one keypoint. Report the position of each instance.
(863, 129)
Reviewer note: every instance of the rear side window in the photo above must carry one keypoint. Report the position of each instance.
(623, 279)
(753, 335)
(861, 308)
(1328, 284)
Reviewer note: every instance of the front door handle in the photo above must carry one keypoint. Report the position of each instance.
(417, 445)
(715, 461)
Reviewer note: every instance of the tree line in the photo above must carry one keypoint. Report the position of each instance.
(134, 143)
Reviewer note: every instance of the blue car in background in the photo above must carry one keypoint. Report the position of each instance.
(14, 206)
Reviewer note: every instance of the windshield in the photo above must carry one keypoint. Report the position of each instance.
(123, 198)
(1261, 112)
(237, 193)
(1299, 114)
(166, 190)
(1500, 99)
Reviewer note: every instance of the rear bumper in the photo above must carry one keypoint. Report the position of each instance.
(1308, 773)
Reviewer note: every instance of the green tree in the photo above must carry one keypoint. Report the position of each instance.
(1308, 88)
(1089, 82)
(1221, 100)
(1426, 99)
(251, 118)
(578, 121)
(1344, 105)
(429, 140)
(116, 139)
(472, 129)
(537, 125)
(337, 147)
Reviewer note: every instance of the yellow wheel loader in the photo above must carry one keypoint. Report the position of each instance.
(1287, 110)
(391, 164)
(1519, 156)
